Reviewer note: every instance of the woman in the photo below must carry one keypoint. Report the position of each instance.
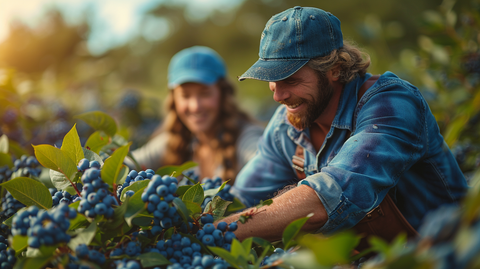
(203, 124)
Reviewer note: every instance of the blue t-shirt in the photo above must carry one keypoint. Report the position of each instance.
(387, 142)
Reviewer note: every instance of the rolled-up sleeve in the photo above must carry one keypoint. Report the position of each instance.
(270, 170)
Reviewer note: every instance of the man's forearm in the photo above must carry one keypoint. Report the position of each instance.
(270, 221)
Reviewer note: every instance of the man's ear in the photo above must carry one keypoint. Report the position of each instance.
(335, 73)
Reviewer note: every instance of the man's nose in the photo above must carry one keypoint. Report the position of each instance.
(279, 92)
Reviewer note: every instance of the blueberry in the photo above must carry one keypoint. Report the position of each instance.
(209, 228)
(222, 226)
(95, 164)
(208, 240)
(162, 190)
(100, 209)
(92, 198)
(229, 236)
(233, 226)
(208, 218)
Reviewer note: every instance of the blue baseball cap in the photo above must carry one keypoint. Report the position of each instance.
(195, 64)
(291, 38)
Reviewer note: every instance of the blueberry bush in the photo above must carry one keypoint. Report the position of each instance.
(97, 213)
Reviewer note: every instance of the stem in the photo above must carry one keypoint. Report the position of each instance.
(115, 194)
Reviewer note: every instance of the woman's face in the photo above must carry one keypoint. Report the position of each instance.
(197, 106)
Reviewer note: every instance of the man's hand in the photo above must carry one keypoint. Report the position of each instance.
(268, 222)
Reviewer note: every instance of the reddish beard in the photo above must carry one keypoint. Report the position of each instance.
(315, 105)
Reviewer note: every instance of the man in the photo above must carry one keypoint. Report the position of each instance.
(347, 141)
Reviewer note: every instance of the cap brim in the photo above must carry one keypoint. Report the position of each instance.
(273, 70)
(197, 76)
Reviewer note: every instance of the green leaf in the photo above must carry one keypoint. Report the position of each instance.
(331, 250)
(181, 209)
(99, 121)
(79, 221)
(136, 186)
(4, 144)
(134, 206)
(265, 245)
(71, 146)
(5, 159)
(194, 194)
(237, 250)
(305, 258)
(55, 159)
(151, 259)
(111, 170)
(213, 192)
(182, 189)
(59, 180)
(378, 244)
(264, 203)
(19, 243)
(84, 237)
(118, 216)
(217, 207)
(193, 208)
(247, 244)
(178, 169)
(9, 221)
(235, 206)
(122, 175)
(292, 230)
(92, 156)
(224, 254)
(96, 141)
(32, 263)
(29, 192)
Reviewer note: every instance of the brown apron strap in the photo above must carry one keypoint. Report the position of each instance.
(298, 161)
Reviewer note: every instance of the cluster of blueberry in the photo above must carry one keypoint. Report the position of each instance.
(192, 175)
(221, 236)
(83, 252)
(269, 260)
(44, 228)
(7, 255)
(202, 262)
(63, 196)
(132, 248)
(85, 164)
(134, 176)
(10, 206)
(209, 184)
(127, 264)
(159, 194)
(5, 173)
(27, 166)
(96, 199)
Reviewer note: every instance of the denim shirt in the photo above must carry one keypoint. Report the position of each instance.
(386, 142)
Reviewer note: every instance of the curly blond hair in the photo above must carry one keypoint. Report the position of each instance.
(352, 61)
(229, 123)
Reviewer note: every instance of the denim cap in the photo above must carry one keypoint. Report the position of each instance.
(291, 38)
(195, 64)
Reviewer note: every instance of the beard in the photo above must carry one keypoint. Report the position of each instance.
(315, 106)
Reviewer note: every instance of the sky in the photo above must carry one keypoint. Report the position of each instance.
(113, 21)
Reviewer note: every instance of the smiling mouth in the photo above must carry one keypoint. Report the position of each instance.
(293, 106)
